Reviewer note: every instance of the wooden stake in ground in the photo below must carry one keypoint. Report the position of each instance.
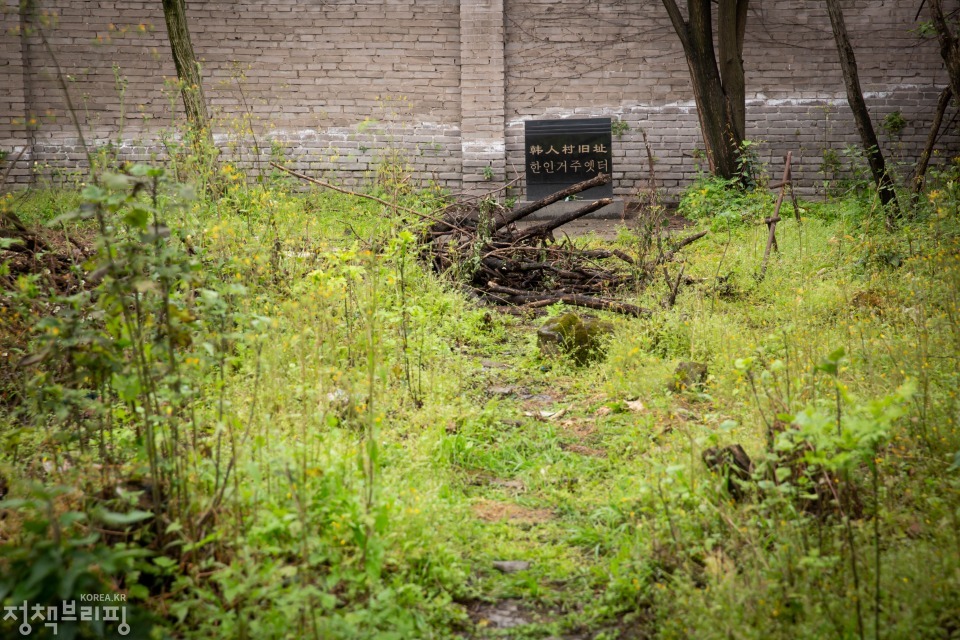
(673, 286)
(772, 221)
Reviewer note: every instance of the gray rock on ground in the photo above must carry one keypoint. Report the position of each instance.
(510, 566)
(579, 337)
(688, 376)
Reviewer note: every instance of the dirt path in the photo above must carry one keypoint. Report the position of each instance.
(542, 465)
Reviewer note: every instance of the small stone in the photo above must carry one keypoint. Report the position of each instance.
(504, 614)
(689, 375)
(513, 485)
(338, 398)
(510, 566)
(501, 391)
(581, 338)
(538, 398)
(684, 414)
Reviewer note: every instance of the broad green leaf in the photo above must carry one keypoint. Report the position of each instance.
(84, 541)
(42, 566)
(15, 503)
(115, 181)
(93, 193)
(138, 592)
(137, 217)
(113, 518)
(828, 367)
(127, 387)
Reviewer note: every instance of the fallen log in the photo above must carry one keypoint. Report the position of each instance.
(524, 211)
(602, 253)
(688, 240)
(518, 296)
(668, 255)
(26, 241)
(541, 230)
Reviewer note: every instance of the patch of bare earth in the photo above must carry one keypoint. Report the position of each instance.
(494, 511)
(481, 478)
(579, 429)
(584, 451)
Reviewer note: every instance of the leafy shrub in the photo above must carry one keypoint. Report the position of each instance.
(53, 552)
(724, 202)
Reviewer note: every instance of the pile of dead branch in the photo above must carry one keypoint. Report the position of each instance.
(49, 255)
(28, 251)
(522, 269)
(50, 261)
(526, 268)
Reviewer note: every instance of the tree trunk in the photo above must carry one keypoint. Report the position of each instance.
(731, 27)
(949, 45)
(720, 108)
(921, 170)
(868, 137)
(188, 69)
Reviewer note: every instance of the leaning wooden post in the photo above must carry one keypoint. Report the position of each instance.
(772, 221)
(793, 193)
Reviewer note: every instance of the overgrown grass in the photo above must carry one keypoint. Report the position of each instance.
(303, 432)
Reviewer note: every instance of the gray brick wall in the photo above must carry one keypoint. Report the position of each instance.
(622, 59)
(482, 91)
(337, 86)
(14, 116)
(343, 80)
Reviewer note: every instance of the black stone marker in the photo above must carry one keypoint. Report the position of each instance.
(561, 153)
